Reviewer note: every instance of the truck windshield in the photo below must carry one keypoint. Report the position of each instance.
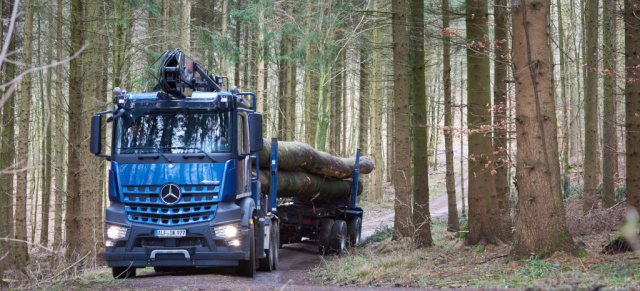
(174, 131)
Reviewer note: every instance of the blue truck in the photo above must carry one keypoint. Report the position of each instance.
(183, 181)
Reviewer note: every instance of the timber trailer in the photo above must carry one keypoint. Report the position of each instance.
(183, 181)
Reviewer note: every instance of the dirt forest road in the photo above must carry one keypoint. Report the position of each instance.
(295, 261)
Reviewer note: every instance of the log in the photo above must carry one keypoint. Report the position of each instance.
(308, 186)
(296, 156)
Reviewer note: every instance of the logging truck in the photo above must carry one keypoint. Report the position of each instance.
(185, 183)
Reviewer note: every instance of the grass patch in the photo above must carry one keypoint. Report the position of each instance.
(448, 264)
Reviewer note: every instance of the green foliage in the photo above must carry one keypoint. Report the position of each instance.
(563, 236)
(535, 268)
(479, 249)
(383, 233)
(582, 254)
(621, 192)
(574, 191)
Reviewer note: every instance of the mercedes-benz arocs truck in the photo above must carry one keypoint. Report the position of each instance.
(184, 185)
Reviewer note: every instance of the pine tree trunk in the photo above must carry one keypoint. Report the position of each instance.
(421, 218)
(47, 148)
(563, 94)
(541, 226)
(74, 161)
(453, 223)
(260, 58)
(402, 141)
(363, 113)
(591, 153)
(610, 138)
(632, 102)
(7, 152)
(185, 26)
(376, 98)
(21, 253)
(223, 33)
(60, 153)
(462, 169)
(482, 194)
(500, 74)
(283, 74)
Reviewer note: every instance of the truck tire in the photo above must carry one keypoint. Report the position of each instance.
(354, 228)
(324, 236)
(247, 268)
(266, 264)
(276, 243)
(123, 272)
(339, 237)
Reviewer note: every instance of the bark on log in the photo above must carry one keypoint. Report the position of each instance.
(295, 156)
(308, 186)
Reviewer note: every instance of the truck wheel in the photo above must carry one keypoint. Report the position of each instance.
(324, 236)
(123, 272)
(266, 264)
(339, 237)
(354, 228)
(276, 243)
(247, 268)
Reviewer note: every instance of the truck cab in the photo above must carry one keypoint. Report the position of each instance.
(183, 184)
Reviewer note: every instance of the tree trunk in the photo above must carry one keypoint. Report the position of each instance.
(363, 113)
(482, 193)
(23, 141)
(591, 153)
(74, 161)
(402, 141)
(302, 185)
(60, 153)
(453, 223)
(185, 26)
(541, 227)
(293, 156)
(47, 149)
(260, 58)
(610, 138)
(282, 91)
(7, 152)
(462, 182)
(632, 102)
(223, 33)
(421, 218)
(377, 107)
(500, 74)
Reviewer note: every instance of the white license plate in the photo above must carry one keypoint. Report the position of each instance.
(171, 232)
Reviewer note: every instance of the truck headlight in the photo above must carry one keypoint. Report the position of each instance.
(115, 232)
(227, 231)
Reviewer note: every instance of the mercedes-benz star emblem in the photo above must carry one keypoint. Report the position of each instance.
(170, 194)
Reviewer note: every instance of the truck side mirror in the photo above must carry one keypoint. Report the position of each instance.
(96, 127)
(255, 132)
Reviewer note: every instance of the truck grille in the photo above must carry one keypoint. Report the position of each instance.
(143, 204)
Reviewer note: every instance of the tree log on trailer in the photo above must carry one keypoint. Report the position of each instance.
(308, 186)
(294, 156)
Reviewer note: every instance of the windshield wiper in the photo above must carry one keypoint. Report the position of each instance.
(154, 156)
(186, 156)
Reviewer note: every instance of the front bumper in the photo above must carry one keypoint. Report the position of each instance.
(141, 248)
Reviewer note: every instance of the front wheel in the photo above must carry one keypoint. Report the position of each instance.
(267, 264)
(247, 268)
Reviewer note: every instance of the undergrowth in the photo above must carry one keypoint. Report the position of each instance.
(380, 261)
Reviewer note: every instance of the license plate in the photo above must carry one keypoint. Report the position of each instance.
(171, 232)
